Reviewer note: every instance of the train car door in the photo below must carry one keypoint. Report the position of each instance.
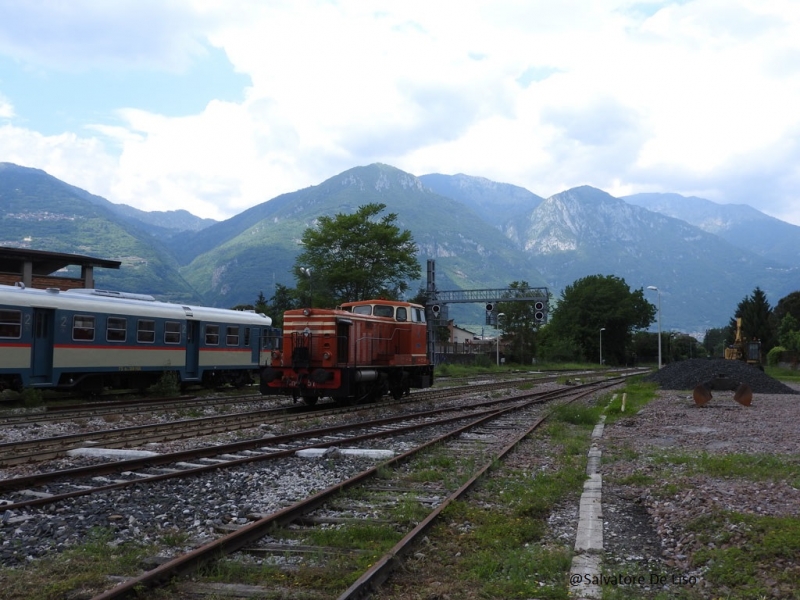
(252, 339)
(192, 349)
(42, 345)
(343, 340)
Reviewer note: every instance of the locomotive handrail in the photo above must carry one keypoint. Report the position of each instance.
(377, 339)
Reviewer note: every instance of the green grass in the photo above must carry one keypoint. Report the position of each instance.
(455, 370)
(502, 554)
(756, 467)
(636, 394)
(82, 569)
(783, 374)
(743, 561)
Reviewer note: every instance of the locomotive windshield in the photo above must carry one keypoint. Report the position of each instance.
(384, 311)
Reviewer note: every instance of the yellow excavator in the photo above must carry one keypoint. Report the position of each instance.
(749, 352)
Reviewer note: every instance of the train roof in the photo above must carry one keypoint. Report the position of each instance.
(346, 305)
(124, 303)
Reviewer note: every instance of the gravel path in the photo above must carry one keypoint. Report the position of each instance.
(649, 505)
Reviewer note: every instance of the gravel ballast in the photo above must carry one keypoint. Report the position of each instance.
(686, 374)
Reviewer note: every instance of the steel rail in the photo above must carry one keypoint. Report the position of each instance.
(129, 436)
(383, 567)
(239, 446)
(237, 540)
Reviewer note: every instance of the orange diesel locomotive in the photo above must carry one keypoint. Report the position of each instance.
(357, 352)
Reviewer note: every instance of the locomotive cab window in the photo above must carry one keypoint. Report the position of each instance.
(362, 310)
(83, 328)
(384, 311)
(172, 332)
(10, 324)
(116, 329)
(417, 315)
(212, 335)
(146, 331)
(402, 314)
(232, 336)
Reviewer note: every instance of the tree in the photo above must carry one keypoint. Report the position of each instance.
(593, 303)
(352, 257)
(285, 298)
(757, 321)
(716, 339)
(518, 323)
(260, 306)
(788, 305)
(789, 334)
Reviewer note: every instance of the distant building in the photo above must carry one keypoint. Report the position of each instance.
(465, 341)
(37, 268)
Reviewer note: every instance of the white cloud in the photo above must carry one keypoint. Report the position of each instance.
(6, 108)
(621, 95)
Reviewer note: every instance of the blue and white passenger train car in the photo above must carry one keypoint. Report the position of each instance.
(89, 340)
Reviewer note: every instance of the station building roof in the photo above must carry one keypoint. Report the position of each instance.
(37, 268)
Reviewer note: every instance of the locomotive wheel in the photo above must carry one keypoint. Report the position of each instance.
(396, 390)
(310, 400)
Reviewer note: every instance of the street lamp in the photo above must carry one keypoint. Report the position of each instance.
(498, 336)
(652, 287)
(307, 272)
(602, 329)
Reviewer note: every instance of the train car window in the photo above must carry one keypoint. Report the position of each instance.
(11, 324)
(402, 314)
(83, 328)
(363, 310)
(384, 311)
(116, 329)
(146, 331)
(212, 335)
(246, 336)
(232, 336)
(172, 332)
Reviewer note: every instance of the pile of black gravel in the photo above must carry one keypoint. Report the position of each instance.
(686, 374)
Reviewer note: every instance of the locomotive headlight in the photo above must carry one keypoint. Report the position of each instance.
(326, 355)
(306, 312)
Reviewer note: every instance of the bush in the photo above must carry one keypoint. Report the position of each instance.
(773, 356)
(31, 397)
(481, 360)
(167, 385)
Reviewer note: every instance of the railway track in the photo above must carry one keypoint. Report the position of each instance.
(124, 408)
(470, 445)
(42, 449)
(53, 486)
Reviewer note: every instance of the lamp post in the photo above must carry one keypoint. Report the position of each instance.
(652, 287)
(602, 329)
(498, 336)
(307, 272)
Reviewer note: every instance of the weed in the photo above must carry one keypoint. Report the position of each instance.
(577, 415)
(761, 545)
(167, 385)
(81, 571)
(32, 398)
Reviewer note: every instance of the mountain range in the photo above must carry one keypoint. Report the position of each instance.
(703, 257)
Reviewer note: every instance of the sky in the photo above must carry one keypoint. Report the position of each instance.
(214, 106)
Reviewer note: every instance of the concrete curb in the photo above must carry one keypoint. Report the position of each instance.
(589, 537)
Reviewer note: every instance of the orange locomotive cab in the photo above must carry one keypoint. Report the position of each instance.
(356, 352)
